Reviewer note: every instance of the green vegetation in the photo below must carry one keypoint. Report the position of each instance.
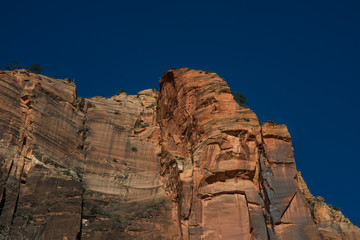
(3, 227)
(170, 113)
(240, 99)
(122, 222)
(149, 211)
(81, 104)
(89, 105)
(6, 234)
(133, 149)
(336, 208)
(151, 106)
(49, 161)
(67, 172)
(101, 228)
(270, 121)
(38, 165)
(13, 66)
(74, 176)
(83, 131)
(121, 91)
(25, 214)
(146, 211)
(95, 210)
(35, 68)
(312, 209)
(144, 125)
(140, 124)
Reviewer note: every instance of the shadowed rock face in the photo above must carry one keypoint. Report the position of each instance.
(185, 163)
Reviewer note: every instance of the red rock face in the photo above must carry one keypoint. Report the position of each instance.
(124, 197)
(38, 148)
(236, 177)
(185, 163)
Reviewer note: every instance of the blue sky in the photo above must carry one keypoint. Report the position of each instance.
(296, 61)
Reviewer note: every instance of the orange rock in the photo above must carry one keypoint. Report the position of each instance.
(185, 163)
(331, 223)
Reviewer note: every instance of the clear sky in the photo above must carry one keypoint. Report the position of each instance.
(296, 61)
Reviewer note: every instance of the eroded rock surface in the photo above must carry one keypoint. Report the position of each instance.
(185, 163)
(331, 223)
(124, 197)
(38, 152)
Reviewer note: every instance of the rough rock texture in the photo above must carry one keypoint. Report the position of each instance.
(38, 135)
(185, 163)
(331, 223)
(124, 197)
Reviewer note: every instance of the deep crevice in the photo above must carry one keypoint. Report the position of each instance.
(15, 208)
(84, 152)
(22, 148)
(262, 156)
(8, 173)
(2, 203)
(288, 205)
(205, 196)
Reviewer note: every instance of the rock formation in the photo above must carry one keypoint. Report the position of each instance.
(185, 163)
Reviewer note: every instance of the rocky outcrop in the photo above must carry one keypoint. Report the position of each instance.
(331, 223)
(236, 178)
(185, 163)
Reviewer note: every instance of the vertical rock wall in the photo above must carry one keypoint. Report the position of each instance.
(39, 122)
(235, 178)
(124, 197)
(185, 163)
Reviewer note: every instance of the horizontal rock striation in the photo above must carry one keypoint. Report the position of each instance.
(186, 162)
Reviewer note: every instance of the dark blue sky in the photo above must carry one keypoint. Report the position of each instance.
(296, 61)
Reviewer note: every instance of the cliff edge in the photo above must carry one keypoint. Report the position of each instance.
(186, 162)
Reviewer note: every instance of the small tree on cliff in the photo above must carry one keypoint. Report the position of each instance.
(35, 68)
(240, 99)
(121, 91)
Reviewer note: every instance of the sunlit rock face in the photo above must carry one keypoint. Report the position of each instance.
(124, 194)
(186, 162)
(235, 177)
(38, 151)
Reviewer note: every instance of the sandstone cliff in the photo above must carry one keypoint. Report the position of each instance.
(185, 163)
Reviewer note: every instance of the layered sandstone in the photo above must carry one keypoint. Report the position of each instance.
(186, 162)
